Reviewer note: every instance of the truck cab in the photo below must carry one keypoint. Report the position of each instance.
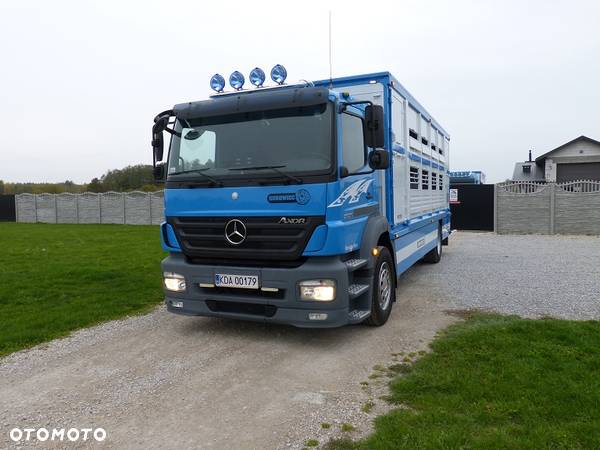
(278, 208)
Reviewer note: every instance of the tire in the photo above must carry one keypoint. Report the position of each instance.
(384, 289)
(435, 254)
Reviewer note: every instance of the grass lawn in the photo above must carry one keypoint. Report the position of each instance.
(498, 382)
(57, 278)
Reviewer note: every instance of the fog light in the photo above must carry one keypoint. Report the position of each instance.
(176, 304)
(317, 290)
(317, 316)
(174, 282)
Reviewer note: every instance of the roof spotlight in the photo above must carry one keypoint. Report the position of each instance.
(257, 77)
(236, 80)
(278, 74)
(217, 83)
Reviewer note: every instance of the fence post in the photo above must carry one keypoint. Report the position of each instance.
(150, 205)
(77, 208)
(124, 212)
(552, 206)
(55, 209)
(35, 207)
(99, 206)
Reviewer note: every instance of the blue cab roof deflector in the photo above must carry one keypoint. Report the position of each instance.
(253, 101)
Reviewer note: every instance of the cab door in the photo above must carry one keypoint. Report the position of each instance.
(358, 193)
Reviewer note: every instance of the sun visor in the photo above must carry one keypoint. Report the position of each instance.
(277, 98)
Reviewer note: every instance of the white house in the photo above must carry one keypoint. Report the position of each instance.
(578, 159)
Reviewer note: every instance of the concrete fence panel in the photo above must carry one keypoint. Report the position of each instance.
(112, 207)
(88, 207)
(537, 208)
(523, 210)
(25, 205)
(46, 208)
(136, 208)
(66, 208)
(578, 208)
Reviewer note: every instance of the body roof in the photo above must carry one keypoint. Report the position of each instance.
(388, 79)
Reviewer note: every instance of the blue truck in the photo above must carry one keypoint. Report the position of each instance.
(299, 203)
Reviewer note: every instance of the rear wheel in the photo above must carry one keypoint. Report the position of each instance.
(384, 292)
(435, 254)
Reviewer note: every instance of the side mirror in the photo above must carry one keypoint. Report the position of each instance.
(379, 159)
(374, 128)
(157, 145)
(159, 173)
(160, 124)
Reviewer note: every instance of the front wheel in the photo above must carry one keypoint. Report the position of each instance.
(384, 292)
(435, 254)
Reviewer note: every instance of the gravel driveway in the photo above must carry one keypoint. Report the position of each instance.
(163, 381)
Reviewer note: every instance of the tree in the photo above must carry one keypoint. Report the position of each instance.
(95, 186)
(1, 187)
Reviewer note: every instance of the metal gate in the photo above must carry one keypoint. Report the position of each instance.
(472, 206)
(7, 208)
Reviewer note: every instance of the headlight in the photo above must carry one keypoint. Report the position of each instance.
(317, 290)
(174, 282)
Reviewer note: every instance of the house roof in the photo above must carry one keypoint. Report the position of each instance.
(540, 159)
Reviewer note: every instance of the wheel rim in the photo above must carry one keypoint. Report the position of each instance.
(385, 286)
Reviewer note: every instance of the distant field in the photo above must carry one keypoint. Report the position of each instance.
(57, 278)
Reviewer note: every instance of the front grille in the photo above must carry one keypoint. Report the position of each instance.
(254, 309)
(266, 238)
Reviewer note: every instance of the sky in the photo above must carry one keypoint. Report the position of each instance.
(80, 81)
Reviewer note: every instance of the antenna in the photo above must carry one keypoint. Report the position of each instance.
(330, 64)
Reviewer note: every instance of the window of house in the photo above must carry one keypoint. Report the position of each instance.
(527, 168)
(414, 177)
(424, 179)
(441, 178)
(434, 179)
(354, 152)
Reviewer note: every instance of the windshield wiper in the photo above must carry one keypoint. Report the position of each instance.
(201, 172)
(275, 168)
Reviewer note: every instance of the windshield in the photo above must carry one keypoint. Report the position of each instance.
(256, 145)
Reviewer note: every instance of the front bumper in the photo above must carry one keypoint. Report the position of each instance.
(283, 306)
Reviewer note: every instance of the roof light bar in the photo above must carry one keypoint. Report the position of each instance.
(257, 77)
(237, 80)
(278, 74)
(217, 83)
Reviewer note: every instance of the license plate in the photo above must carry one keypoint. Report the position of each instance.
(236, 281)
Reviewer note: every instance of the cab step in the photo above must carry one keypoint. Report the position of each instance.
(354, 290)
(358, 315)
(355, 264)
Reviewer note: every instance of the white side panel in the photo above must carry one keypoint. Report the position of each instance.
(400, 165)
(400, 188)
(398, 117)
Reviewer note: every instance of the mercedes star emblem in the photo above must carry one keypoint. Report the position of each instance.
(235, 232)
